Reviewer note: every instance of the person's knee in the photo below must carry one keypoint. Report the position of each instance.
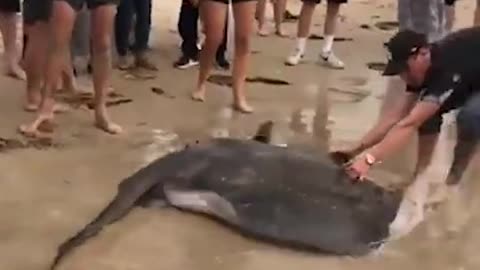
(242, 43)
(468, 123)
(213, 41)
(101, 44)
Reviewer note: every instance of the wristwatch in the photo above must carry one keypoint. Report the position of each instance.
(370, 159)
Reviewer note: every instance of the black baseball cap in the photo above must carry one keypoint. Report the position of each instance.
(400, 47)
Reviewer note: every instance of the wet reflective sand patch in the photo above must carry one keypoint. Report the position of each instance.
(226, 80)
(86, 100)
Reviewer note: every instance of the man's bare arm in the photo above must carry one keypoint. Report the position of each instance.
(398, 108)
(399, 135)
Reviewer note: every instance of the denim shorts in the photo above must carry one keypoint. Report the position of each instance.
(468, 120)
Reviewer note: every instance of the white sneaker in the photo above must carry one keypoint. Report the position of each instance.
(295, 57)
(331, 60)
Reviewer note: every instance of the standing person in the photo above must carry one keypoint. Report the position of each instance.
(36, 14)
(60, 27)
(123, 23)
(188, 29)
(9, 20)
(214, 14)
(326, 56)
(279, 9)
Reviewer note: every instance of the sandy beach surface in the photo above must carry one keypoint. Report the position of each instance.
(49, 191)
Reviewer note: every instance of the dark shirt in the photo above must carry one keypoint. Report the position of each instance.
(455, 71)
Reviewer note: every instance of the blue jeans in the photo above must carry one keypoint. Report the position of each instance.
(123, 22)
(468, 121)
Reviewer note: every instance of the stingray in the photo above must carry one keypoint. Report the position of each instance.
(294, 197)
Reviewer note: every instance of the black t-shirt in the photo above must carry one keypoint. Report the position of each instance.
(455, 72)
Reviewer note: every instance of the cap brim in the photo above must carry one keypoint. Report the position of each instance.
(393, 68)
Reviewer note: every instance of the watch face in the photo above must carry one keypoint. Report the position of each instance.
(370, 159)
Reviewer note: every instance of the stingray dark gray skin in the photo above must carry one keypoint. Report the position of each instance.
(287, 196)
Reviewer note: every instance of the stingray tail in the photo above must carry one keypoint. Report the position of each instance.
(129, 192)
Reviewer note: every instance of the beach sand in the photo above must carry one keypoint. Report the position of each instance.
(49, 192)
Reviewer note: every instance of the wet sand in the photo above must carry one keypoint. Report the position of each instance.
(46, 195)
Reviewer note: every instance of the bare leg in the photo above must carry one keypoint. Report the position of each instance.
(213, 15)
(476, 19)
(243, 13)
(35, 61)
(329, 30)
(102, 29)
(8, 23)
(260, 15)
(60, 29)
(305, 21)
(303, 31)
(279, 13)
(68, 77)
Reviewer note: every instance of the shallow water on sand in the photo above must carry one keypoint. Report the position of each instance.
(46, 195)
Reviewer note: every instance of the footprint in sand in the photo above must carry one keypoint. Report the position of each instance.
(7, 144)
(226, 80)
(336, 39)
(355, 80)
(378, 66)
(387, 25)
(351, 95)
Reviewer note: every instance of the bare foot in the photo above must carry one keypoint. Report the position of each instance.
(32, 129)
(143, 61)
(17, 72)
(60, 108)
(105, 124)
(199, 94)
(243, 107)
(281, 33)
(124, 63)
(31, 107)
(263, 32)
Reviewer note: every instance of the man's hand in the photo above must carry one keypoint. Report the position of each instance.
(341, 157)
(358, 169)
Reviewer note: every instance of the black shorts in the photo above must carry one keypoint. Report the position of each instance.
(91, 4)
(36, 11)
(233, 1)
(329, 1)
(10, 6)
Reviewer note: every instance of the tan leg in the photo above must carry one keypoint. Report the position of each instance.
(260, 15)
(279, 12)
(8, 26)
(35, 61)
(102, 29)
(60, 29)
(213, 16)
(476, 18)
(243, 13)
